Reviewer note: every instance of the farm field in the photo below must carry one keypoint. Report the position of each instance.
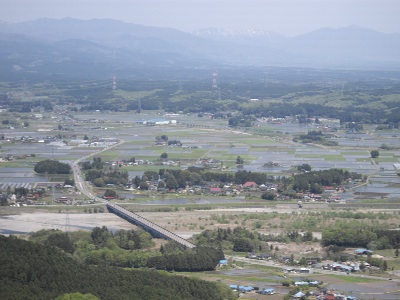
(273, 153)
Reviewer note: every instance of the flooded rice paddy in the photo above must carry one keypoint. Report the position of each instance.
(218, 142)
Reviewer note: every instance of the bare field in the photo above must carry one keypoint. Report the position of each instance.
(24, 223)
(184, 223)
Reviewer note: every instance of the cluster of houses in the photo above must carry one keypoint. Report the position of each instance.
(326, 197)
(323, 294)
(209, 163)
(262, 256)
(11, 157)
(239, 188)
(319, 294)
(232, 189)
(249, 288)
(57, 141)
(326, 124)
(330, 194)
(299, 271)
(154, 122)
(21, 139)
(137, 162)
(94, 143)
(346, 267)
(34, 197)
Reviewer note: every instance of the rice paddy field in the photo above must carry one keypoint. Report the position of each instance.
(272, 151)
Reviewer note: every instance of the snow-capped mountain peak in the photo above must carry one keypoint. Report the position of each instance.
(224, 33)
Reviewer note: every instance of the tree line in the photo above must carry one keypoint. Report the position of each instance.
(199, 176)
(356, 234)
(197, 259)
(314, 181)
(129, 249)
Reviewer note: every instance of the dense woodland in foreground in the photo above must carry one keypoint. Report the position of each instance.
(53, 264)
(35, 271)
(130, 249)
(136, 248)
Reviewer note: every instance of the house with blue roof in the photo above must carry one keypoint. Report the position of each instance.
(233, 286)
(243, 288)
(266, 292)
(298, 295)
(361, 251)
(223, 262)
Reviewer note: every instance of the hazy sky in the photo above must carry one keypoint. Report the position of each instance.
(288, 17)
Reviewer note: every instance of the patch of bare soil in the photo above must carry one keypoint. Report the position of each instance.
(24, 223)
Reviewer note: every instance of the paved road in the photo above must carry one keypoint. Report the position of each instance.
(83, 186)
(80, 182)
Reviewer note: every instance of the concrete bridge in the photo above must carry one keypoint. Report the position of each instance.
(152, 228)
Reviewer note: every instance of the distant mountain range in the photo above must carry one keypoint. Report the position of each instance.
(95, 48)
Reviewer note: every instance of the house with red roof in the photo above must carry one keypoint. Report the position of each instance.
(215, 190)
(250, 185)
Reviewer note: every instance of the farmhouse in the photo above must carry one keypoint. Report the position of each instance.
(215, 190)
(341, 267)
(298, 295)
(156, 122)
(250, 185)
(362, 251)
(63, 200)
(267, 292)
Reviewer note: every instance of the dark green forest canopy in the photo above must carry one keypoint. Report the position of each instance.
(52, 167)
(35, 271)
(129, 249)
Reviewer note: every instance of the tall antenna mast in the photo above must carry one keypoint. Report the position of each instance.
(214, 85)
(214, 80)
(114, 82)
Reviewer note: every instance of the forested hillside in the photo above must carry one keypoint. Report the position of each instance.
(35, 271)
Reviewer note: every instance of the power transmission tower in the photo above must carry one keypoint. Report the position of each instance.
(139, 107)
(215, 80)
(114, 82)
(214, 85)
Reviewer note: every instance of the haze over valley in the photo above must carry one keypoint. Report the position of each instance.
(199, 150)
(46, 48)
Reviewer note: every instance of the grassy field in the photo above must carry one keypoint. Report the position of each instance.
(352, 279)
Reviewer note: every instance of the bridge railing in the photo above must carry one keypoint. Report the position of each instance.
(145, 222)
